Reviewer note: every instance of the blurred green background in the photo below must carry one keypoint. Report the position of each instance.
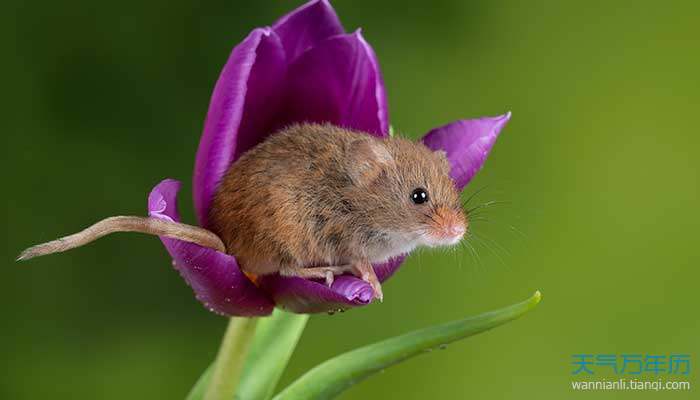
(599, 165)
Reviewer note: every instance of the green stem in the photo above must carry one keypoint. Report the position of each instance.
(230, 359)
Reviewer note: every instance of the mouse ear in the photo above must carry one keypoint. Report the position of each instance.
(367, 158)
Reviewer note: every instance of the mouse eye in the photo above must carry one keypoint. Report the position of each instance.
(419, 196)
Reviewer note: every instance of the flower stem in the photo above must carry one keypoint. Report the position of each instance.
(229, 361)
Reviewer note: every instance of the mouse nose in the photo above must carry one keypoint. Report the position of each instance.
(451, 225)
(456, 230)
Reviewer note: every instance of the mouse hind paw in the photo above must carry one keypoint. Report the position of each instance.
(365, 271)
(326, 273)
(362, 270)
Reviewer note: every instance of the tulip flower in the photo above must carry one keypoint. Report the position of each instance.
(304, 68)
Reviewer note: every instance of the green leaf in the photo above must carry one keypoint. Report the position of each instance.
(197, 391)
(272, 348)
(327, 380)
(275, 339)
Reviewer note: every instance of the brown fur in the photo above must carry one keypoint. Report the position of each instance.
(315, 195)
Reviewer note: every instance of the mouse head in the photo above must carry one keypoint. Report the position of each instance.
(408, 193)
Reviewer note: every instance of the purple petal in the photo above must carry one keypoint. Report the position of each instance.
(306, 296)
(307, 26)
(338, 81)
(386, 270)
(214, 276)
(241, 111)
(467, 143)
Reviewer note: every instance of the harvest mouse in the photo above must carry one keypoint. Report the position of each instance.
(315, 201)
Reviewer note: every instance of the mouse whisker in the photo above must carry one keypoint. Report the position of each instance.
(478, 214)
(495, 244)
(473, 195)
(491, 246)
(472, 250)
(488, 204)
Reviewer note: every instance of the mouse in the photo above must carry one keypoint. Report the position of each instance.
(316, 201)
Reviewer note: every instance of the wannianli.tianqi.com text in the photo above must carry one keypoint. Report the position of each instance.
(630, 384)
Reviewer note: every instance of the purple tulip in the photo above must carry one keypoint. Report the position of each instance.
(303, 68)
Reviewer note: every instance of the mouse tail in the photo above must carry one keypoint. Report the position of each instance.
(148, 225)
